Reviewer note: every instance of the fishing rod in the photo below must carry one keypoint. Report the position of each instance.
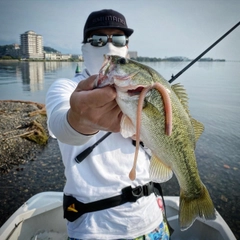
(203, 53)
(80, 157)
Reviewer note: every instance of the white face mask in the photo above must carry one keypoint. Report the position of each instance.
(94, 56)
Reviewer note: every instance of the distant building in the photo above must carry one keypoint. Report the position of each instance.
(61, 57)
(50, 56)
(31, 45)
(65, 56)
(13, 51)
(133, 54)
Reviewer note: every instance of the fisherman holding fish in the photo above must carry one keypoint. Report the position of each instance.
(100, 200)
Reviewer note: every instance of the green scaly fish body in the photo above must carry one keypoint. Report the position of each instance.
(174, 153)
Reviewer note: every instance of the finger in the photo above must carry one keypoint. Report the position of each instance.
(87, 84)
(111, 118)
(100, 97)
(115, 124)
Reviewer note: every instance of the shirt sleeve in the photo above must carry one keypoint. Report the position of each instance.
(57, 106)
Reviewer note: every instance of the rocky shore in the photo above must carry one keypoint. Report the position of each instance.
(30, 160)
(23, 132)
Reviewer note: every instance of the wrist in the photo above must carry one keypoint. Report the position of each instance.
(78, 125)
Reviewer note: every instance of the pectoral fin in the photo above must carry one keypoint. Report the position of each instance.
(127, 127)
(159, 172)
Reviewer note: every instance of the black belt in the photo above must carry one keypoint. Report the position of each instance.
(73, 209)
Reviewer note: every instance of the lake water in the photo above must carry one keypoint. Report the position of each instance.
(214, 99)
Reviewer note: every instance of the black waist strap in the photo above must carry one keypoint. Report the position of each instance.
(73, 209)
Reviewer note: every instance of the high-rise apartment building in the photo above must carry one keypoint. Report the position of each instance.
(31, 45)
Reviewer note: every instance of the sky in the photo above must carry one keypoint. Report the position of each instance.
(162, 28)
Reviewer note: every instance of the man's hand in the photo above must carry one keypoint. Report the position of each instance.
(92, 110)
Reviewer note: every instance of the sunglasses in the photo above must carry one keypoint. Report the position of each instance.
(102, 39)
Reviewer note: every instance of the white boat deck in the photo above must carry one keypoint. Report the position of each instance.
(41, 218)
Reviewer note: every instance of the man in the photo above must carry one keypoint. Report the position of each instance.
(100, 201)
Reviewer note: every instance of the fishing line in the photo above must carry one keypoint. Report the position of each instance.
(174, 77)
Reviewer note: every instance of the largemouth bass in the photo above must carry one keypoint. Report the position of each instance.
(158, 114)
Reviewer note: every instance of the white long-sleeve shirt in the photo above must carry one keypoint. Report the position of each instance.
(101, 175)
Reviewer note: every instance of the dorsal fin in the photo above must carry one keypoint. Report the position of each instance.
(198, 128)
(181, 93)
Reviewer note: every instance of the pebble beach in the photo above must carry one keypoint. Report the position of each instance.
(27, 167)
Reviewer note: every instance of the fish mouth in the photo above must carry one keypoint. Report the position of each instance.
(122, 83)
(135, 91)
(103, 76)
(107, 74)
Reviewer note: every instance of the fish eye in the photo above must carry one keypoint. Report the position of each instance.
(122, 61)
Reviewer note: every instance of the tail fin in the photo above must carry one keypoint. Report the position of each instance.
(191, 208)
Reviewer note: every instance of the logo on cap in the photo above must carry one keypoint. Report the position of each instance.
(109, 18)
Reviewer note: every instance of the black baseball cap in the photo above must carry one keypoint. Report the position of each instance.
(106, 18)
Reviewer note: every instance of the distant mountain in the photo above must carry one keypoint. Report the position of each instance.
(3, 42)
(176, 59)
(4, 48)
(49, 49)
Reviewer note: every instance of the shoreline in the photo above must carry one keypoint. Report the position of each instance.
(26, 167)
(23, 132)
(36, 60)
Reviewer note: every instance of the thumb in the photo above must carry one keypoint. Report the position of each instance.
(87, 84)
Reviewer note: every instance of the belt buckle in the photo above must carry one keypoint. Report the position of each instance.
(148, 189)
(132, 194)
(137, 192)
